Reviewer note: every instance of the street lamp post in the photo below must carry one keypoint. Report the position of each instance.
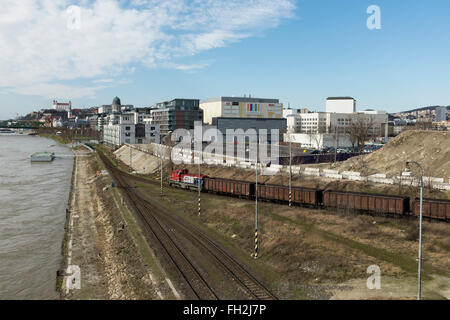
(419, 273)
(199, 156)
(335, 144)
(256, 203)
(131, 159)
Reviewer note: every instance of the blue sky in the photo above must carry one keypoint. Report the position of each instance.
(300, 52)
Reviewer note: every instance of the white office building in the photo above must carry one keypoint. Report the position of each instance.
(340, 105)
(289, 111)
(241, 107)
(323, 129)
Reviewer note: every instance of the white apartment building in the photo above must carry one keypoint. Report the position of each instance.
(57, 123)
(122, 129)
(142, 115)
(105, 109)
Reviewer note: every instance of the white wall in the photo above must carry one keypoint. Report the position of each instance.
(341, 105)
(319, 141)
(212, 109)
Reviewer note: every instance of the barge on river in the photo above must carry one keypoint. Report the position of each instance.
(42, 157)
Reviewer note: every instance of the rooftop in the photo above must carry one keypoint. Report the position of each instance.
(340, 98)
(241, 99)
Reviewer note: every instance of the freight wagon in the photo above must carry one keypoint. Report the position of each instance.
(366, 202)
(299, 195)
(343, 200)
(236, 188)
(433, 208)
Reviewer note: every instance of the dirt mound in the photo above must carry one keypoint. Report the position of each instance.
(430, 148)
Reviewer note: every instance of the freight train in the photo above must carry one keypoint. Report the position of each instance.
(315, 198)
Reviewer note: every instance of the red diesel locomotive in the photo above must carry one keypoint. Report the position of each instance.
(181, 179)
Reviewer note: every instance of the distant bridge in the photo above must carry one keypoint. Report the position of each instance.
(19, 127)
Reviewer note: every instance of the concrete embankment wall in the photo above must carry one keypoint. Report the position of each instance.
(141, 162)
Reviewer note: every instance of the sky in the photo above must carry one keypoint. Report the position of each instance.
(298, 51)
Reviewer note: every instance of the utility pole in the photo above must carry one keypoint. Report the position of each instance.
(199, 183)
(131, 158)
(419, 271)
(256, 203)
(335, 144)
(161, 169)
(290, 171)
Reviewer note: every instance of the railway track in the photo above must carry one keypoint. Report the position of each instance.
(254, 288)
(153, 216)
(192, 277)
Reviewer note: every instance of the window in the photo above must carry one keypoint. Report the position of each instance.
(127, 128)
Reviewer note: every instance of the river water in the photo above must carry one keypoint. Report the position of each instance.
(33, 200)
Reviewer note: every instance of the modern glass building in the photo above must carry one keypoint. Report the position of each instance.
(176, 114)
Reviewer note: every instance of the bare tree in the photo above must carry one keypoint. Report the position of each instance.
(351, 131)
(360, 129)
(424, 125)
(314, 139)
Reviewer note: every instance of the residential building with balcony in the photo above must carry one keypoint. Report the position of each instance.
(176, 114)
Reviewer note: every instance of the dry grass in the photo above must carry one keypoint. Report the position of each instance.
(308, 253)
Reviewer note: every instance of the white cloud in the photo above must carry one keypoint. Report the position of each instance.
(103, 80)
(185, 67)
(58, 91)
(39, 50)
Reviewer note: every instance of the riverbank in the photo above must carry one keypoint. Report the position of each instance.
(54, 137)
(103, 242)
